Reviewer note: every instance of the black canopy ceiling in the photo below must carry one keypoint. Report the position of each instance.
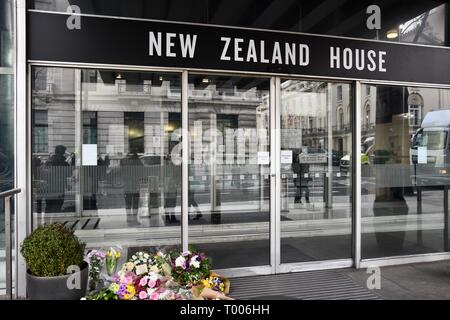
(333, 17)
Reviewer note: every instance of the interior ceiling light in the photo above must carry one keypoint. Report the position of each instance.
(118, 76)
(161, 78)
(392, 34)
(205, 80)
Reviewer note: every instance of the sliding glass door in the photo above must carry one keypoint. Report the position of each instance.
(315, 171)
(229, 166)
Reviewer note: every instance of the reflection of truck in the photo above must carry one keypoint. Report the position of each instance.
(430, 142)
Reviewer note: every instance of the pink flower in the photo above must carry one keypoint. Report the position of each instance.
(143, 295)
(154, 296)
(161, 290)
(152, 283)
(128, 278)
(143, 281)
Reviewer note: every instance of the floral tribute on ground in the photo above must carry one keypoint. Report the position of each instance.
(161, 276)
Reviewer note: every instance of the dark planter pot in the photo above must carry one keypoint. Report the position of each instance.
(55, 288)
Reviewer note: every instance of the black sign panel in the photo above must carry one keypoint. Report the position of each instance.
(162, 44)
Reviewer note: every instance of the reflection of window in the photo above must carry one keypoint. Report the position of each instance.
(134, 121)
(40, 79)
(340, 119)
(432, 140)
(415, 115)
(367, 116)
(367, 90)
(40, 132)
(174, 124)
(226, 121)
(90, 127)
(339, 93)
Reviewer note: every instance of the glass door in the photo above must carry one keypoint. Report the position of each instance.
(229, 169)
(315, 171)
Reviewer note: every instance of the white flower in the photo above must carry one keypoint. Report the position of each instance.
(153, 276)
(194, 262)
(134, 257)
(146, 255)
(180, 261)
(186, 253)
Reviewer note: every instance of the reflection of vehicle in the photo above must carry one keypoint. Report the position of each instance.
(344, 165)
(430, 142)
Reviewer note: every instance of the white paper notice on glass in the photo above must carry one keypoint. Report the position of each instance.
(263, 158)
(422, 155)
(89, 155)
(286, 156)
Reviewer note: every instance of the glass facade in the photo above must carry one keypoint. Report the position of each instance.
(106, 156)
(405, 172)
(106, 144)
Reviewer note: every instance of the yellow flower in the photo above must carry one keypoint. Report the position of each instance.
(206, 283)
(131, 292)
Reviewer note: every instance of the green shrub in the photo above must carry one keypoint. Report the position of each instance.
(51, 249)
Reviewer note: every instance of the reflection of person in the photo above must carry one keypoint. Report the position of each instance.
(37, 182)
(56, 180)
(173, 179)
(192, 202)
(300, 182)
(131, 172)
(102, 168)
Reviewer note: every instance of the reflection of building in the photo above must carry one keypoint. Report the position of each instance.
(118, 115)
(417, 103)
(306, 108)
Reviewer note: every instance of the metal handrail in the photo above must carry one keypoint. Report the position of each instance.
(8, 238)
(9, 193)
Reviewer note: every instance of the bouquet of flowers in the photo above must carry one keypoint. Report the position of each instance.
(174, 276)
(112, 257)
(96, 263)
(140, 263)
(189, 268)
(216, 282)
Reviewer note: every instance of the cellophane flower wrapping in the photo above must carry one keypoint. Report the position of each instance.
(158, 276)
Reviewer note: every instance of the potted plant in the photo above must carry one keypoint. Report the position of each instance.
(55, 266)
